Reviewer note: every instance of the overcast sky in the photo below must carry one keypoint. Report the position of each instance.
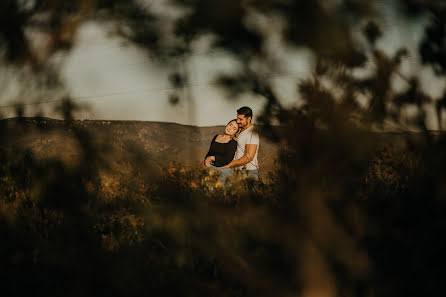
(118, 81)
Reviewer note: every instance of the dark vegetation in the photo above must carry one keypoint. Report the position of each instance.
(342, 215)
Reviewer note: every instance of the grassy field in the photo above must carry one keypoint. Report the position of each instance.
(84, 212)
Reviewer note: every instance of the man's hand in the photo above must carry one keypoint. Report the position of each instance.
(250, 151)
(208, 161)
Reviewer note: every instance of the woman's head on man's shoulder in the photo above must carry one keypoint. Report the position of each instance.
(232, 128)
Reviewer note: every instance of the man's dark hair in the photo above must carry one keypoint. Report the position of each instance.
(246, 111)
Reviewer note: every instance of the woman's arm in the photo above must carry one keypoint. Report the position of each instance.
(210, 155)
(250, 151)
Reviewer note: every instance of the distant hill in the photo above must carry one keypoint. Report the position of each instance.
(159, 143)
(156, 144)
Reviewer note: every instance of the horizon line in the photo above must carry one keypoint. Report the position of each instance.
(162, 122)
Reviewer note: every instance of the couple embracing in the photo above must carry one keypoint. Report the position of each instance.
(236, 148)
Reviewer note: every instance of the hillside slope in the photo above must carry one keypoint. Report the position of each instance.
(157, 143)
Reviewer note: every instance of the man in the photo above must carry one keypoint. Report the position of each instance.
(248, 143)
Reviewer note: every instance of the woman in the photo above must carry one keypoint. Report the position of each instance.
(222, 150)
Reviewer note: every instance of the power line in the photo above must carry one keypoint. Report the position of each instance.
(95, 97)
(134, 91)
(107, 95)
(30, 103)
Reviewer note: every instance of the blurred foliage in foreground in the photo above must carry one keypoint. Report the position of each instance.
(341, 216)
(82, 230)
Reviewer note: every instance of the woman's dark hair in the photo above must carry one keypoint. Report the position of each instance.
(231, 121)
(246, 111)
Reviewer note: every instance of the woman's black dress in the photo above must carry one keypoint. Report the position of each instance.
(223, 152)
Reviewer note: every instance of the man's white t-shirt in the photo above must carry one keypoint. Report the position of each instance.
(247, 136)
